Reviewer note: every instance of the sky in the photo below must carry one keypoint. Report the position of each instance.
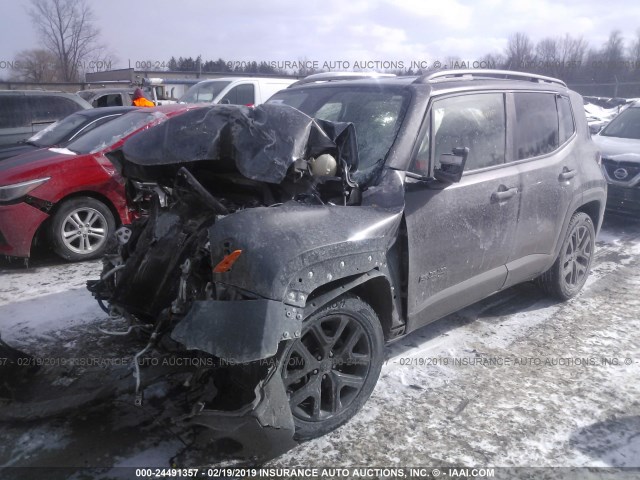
(363, 31)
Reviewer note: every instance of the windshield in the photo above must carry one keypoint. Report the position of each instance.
(376, 114)
(59, 131)
(625, 125)
(204, 92)
(108, 134)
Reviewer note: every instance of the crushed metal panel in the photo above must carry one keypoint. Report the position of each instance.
(238, 331)
(261, 143)
(263, 429)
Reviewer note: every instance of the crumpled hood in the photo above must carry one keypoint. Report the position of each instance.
(261, 143)
(610, 146)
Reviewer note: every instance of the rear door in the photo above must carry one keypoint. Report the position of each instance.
(460, 237)
(547, 157)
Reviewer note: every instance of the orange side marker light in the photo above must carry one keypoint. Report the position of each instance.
(227, 262)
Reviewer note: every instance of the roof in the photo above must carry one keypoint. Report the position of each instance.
(104, 111)
(174, 107)
(107, 90)
(441, 82)
(37, 92)
(440, 86)
(235, 79)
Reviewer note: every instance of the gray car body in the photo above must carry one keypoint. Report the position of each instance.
(413, 252)
(23, 121)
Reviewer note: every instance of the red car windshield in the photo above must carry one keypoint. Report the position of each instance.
(106, 135)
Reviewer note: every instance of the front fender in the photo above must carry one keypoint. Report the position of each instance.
(289, 251)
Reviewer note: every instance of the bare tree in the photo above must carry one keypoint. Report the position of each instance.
(634, 50)
(519, 52)
(37, 65)
(572, 53)
(67, 30)
(547, 56)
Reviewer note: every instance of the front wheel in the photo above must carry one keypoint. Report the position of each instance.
(331, 370)
(80, 228)
(569, 273)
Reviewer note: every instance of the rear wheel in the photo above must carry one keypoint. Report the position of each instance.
(80, 228)
(331, 370)
(569, 273)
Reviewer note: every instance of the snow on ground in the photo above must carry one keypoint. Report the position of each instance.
(515, 380)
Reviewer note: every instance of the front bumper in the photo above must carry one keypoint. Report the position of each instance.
(261, 429)
(238, 331)
(18, 225)
(623, 199)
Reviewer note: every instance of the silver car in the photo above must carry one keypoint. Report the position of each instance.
(619, 144)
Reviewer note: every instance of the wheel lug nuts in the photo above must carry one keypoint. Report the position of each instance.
(331, 354)
(319, 357)
(315, 372)
(324, 376)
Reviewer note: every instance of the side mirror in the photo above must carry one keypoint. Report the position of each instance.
(451, 165)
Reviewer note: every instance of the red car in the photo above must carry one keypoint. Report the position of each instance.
(71, 196)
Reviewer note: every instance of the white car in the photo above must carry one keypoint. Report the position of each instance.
(248, 91)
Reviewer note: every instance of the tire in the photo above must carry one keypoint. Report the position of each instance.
(71, 238)
(570, 271)
(340, 350)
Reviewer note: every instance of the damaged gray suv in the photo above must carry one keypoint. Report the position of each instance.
(282, 246)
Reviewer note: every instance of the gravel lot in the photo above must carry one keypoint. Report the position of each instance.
(515, 380)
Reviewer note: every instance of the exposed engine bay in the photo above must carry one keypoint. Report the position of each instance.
(167, 274)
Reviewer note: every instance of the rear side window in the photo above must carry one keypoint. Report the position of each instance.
(537, 129)
(474, 121)
(14, 112)
(567, 126)
(47, 109)
(240, 95)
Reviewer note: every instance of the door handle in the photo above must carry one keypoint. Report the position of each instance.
(503, 193)
(567, 174)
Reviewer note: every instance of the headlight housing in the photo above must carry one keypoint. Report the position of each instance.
(10, 193)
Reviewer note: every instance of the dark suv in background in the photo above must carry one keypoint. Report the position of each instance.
(25, 112)
(287, 243)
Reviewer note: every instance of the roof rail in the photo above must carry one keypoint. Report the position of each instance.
(333, 76)
(506, 74)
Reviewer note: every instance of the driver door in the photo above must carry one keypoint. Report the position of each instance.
(461, 235)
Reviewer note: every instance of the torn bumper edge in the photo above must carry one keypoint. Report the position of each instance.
(263, 428)
(245, 331)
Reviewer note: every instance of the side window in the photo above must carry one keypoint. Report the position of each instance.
(240, 95)
(246, 94)
(14, 112)
(45, 109)
(92, 125)
(474, 121)
(536, 124)
(421, 162)
(108, 100)
(567, 126)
